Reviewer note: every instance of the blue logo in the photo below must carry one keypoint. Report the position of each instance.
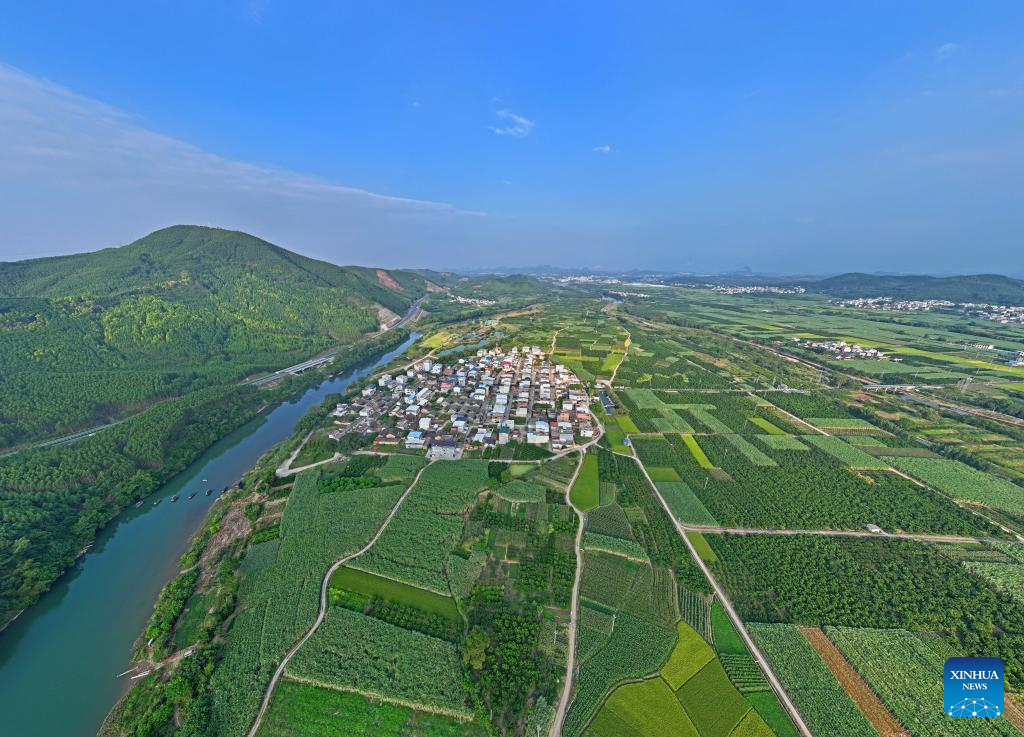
(974, 687)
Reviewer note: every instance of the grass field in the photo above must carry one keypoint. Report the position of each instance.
(697, 452)
(586, 491)
(663, 473)
(304, 710)
(690, 655)
(626, 424)
(767, 426)
(370, 584)
(645, 709)
(704, 550)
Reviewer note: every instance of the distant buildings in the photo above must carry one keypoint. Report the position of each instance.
(841, 349)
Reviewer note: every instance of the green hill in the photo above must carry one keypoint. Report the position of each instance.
(89, 337)
(990, 288)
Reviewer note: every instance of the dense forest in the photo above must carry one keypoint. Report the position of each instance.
(92, 337)
(54, 500)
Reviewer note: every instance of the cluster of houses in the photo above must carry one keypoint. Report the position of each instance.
(492, 399)
(1003, 314)
(459, 299)
(724, 289)
(841, 349)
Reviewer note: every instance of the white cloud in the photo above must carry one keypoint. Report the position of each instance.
(108, 171)
(516, 126)
(946, 50)
(605, 149)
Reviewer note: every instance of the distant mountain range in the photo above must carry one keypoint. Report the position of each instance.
(991, 288)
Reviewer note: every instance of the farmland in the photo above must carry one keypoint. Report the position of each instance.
(913, 683)
(585, 492)
(869, 583)
(303, 710)
(824, 704)
(456, 621)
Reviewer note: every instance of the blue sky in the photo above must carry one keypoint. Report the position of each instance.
(782, 136)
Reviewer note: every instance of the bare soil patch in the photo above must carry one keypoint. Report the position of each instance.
(877, 713)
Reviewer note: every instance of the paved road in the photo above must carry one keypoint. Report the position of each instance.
(323, 603)
(922, 537)
(755, 651)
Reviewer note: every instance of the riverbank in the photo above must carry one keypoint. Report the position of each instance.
(89, 619)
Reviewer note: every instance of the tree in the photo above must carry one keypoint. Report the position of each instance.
(475, 652)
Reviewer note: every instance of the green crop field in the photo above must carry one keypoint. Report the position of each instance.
(901, 667)
(711, 686)
(690, 654)
(824, 704)
(369, 584)
(281, 585)
(303, 710)
(684, 504)
(696, 451)
(963, 482)
(782, 442)
(645, 709)
(615, 546)
(767, 426)
(351, 651)
(662, 473)
(845, 453)
(871, 582)
(586, 491)
(415, 546)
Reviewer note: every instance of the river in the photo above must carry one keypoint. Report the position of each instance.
(59, 659)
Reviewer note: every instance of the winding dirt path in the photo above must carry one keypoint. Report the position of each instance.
(570, 662)
(323, 603)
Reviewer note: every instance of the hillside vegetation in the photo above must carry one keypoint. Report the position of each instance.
(990, 288)
(90, 337)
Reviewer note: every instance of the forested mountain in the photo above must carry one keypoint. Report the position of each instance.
(89, 337)
(990, 288)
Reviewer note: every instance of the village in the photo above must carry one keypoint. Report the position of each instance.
(492, 399)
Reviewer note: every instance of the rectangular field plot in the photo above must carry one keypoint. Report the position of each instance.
(767, 426)
(303, 710)
(662, 473)
(845, 453)
(806, 489)
(414, 548)
(868, 582)
(697, 452)
(840, 424)
(353, 652)
(370, 584)
(684, 504)
(961, 481)
(781, 442)
(825, 705)
(751, 453)
(901, 667)
(645, 709)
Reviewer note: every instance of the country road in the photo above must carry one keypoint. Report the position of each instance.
(570, 661)
(755, 651)
(323, 603)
